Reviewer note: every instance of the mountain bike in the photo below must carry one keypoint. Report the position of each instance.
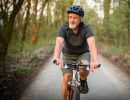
(73, 92)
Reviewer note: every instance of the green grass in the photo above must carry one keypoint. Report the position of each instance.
(117, 50)
(43, 42)
(110, 49)
(23, 69)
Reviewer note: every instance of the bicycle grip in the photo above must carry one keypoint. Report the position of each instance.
(98, 66)
(54, 61)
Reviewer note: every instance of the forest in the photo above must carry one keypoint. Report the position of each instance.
(28, 29)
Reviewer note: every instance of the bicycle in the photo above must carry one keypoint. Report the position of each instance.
(74, 84)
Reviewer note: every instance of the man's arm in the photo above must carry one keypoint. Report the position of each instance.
(58, 49)
(93, 51)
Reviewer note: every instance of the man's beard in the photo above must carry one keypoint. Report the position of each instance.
(72, 26)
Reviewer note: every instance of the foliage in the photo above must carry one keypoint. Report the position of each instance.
(117, 31)
(46, 28)
(23, 69)
(115, 50)
(92, 18)
(118, 26)
(41, 23)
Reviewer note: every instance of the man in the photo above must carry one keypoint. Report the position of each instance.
(76, 42)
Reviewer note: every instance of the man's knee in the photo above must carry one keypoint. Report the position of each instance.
(84, 72)
(67, 77)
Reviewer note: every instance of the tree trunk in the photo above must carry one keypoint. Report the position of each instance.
(8, 33)
(34, 24)
(26, 21)
(62, 11)
(129, 24)
(48, 13)
(106, 16)
(24, 30)
(42, 9)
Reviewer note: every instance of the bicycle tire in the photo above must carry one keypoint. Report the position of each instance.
(76, 95)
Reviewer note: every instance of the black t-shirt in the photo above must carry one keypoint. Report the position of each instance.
(75, 44)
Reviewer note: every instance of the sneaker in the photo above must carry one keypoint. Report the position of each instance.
(84, 87)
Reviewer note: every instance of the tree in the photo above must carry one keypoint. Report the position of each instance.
(106, 6)
(128, 16)
(34, 23)
(44, 2)
(7, 19)
(26, 21)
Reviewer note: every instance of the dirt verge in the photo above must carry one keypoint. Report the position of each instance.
(13, 84)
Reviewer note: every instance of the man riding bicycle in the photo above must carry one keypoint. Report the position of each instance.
(76, 42)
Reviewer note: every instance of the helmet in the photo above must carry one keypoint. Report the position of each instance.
(76, 9)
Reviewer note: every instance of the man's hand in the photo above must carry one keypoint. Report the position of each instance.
(93, 65)
(59, 62)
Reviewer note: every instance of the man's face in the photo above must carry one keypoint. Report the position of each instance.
(73, 20)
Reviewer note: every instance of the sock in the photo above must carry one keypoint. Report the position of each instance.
(83, 81)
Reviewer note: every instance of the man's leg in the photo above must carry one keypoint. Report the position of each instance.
(83, 74)
(66, 78)
(83, 79)
(85, 58)
(67, 74)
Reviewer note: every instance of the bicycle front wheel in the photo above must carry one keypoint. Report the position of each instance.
(76, 95)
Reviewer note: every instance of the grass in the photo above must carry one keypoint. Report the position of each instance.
(43, 42)
(117, 50)
(46, 38)
(23, 69)
(110, 49)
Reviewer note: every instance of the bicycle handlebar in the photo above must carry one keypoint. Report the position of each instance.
(75, 65)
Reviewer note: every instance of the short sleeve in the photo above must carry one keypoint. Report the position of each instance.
(89, 31)
(61, 32)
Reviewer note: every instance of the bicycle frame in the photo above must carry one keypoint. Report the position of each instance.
(73, 84)
(75, 79)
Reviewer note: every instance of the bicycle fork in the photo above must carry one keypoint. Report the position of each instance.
(76, 78)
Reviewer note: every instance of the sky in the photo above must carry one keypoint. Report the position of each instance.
(92, 4)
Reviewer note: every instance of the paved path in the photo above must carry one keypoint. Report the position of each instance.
(106, 83)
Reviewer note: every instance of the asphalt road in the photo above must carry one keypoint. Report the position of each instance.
(106, 83)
